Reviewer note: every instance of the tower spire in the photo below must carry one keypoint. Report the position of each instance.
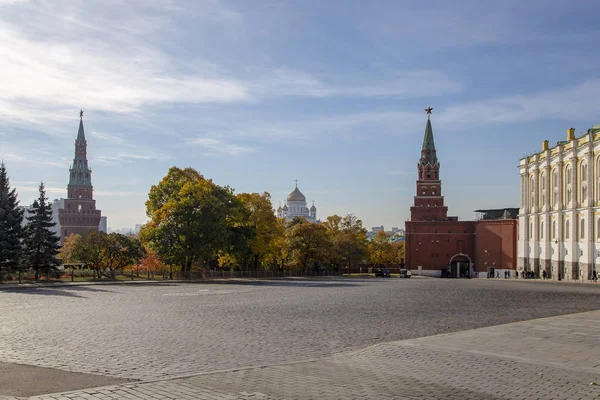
(81, 133)
(428, 153)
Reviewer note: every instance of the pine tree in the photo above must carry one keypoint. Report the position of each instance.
(41, 243)
(11, 230)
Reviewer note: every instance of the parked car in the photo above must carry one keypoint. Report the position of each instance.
(405, 273)
(382, 273)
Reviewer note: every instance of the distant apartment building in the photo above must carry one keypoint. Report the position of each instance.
(103, 226)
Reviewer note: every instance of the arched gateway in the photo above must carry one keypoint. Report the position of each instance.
(460, 266)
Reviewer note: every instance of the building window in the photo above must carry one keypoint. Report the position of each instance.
(582, 229)
(531, 230)
(532, 189)
(543, 195)
(568, 184)
(566, 229)
(598, 229)
(541, 230)
(553, 229)
(554, 187)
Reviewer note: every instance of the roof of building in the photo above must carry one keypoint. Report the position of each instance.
(499, 213)
(296, 195)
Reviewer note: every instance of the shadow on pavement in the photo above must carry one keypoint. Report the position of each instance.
(68, 291)
(26, 380)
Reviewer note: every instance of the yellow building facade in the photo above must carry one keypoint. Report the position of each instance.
(559, 217)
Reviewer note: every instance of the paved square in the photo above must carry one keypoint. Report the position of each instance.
(165, 331)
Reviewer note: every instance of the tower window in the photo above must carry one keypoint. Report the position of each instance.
(79, 208)
(428, 175)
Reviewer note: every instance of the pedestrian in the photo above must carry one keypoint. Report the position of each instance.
(517, 274)
(498, 274)
(594, 276)
(544, 274)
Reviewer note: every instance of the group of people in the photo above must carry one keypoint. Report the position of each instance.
(531, 275)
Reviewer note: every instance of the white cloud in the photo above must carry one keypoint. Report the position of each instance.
(108, 137)
(35, 187)
(404, 84)
(217, 145)
(112, 67)
(569, 103)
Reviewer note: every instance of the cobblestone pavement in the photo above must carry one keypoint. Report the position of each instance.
(160, 332)
(553, 358)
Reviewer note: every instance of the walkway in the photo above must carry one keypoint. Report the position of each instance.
(548, 358)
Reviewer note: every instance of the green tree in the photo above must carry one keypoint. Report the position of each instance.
(11, 231)
(192, 219)
(348, 240)
(89, 250)
(104, 254)
(41, 243)
(308, 243)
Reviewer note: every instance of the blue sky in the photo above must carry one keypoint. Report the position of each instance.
(256, 94)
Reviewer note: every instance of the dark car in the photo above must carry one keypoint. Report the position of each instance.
(382, 273)
(405, 273)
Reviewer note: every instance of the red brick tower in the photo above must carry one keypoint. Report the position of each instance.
(435, 242)
(429, 202)
(79, 214)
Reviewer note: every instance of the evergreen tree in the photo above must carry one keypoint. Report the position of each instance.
(11, 231)
(41, 243)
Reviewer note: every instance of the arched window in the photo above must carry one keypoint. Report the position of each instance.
(597, 179)
(541, 230)
(582, 229)
(583, 181)
(532, 190)
(543, 191)
(555, 187)
(566, 229)
(553, 229)
(568, 193)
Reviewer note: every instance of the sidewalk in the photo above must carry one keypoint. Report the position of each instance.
(549, 358)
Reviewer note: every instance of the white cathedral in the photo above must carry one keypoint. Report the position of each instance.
(296, 207)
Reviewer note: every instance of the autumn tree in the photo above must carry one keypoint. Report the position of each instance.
(264, 225)
(192, 219)
(280, 255)
(120, 251)
(68, 252)
(151, 264)
(381, 251)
